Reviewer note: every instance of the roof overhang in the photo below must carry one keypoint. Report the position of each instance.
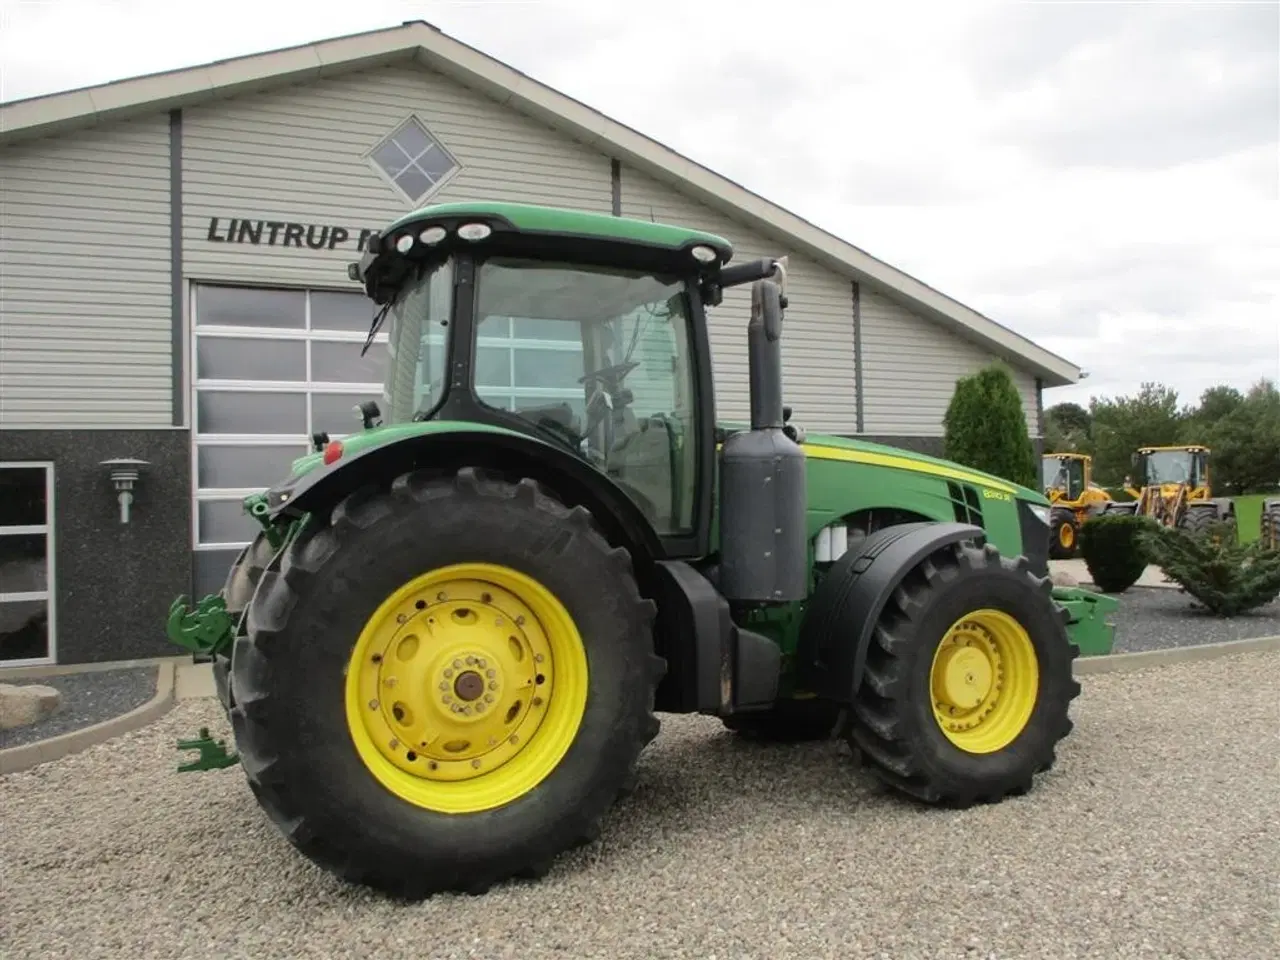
(420, 42)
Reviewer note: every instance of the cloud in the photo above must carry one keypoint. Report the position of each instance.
(1145, 87)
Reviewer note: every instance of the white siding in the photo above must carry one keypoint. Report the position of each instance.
(910, 366)
(85, 325)
(298, 155)
(817, 339)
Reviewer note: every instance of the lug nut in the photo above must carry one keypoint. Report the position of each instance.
(490, 673)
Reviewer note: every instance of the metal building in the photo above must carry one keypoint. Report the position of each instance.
(173, 252)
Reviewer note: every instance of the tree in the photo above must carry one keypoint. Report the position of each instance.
(986, 427)
(1246, 443)
(1068, 427)
(1216, 404)
(1123, 425)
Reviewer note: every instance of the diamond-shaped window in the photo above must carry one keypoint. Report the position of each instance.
(414, 160)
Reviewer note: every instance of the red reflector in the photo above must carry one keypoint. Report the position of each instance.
(332, 451)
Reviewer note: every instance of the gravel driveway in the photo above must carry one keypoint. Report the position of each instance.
(1158, 835)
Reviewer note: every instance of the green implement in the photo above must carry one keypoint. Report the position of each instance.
(205, 629)
(213, 753)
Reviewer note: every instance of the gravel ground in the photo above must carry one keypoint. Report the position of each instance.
(1156, 618)
(1156, 836)
(87, 698)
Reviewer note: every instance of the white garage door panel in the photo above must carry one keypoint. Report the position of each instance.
(272, 367)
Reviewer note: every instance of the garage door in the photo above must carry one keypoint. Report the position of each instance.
(272, 366)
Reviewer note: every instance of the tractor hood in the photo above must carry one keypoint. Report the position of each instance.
(832, 447)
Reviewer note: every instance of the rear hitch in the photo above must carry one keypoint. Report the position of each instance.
(213, 753)
(206, 629)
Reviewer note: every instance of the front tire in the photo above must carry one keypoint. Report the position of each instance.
(376, 771)
(968, 680)
(1065, 535)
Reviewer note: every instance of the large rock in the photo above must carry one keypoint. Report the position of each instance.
(27, 704)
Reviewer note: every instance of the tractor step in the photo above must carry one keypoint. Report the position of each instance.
(213, 753)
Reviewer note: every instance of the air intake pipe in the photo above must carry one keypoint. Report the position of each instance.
(763, 507)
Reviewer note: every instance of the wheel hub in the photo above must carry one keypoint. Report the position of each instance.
(984, 681)
(965, 678)
(457, 681)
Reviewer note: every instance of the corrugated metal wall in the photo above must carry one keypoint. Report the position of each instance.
(297, 155)
(910, 366)
(85, 319)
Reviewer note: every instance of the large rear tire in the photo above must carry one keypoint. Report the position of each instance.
(968, 680)
(446, 684)
(1269, 524)
(1198, 518)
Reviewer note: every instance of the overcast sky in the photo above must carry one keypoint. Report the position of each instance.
(1103, 177)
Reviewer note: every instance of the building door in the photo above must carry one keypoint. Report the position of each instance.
(271, 367)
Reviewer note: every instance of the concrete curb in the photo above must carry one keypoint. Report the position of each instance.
(1148, 659)
(68, 669)
(28, 755)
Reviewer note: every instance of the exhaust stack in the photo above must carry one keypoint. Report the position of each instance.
(763, 506)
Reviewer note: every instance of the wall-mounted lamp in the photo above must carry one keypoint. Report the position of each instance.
(124, 473)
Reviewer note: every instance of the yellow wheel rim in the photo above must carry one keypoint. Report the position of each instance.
(984, 681)
(466, 688)
(1066, 535)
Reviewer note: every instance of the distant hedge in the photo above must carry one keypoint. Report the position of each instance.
(1114, 551)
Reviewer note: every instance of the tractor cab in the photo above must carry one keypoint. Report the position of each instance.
(1065, 475)
(1167, 467)
(583, 331)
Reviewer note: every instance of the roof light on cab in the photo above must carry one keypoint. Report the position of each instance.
(404, 243)
(703, 254)
(432, 235)
(474, 231)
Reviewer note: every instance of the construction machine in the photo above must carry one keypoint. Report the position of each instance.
(1068, 483)
(1171, 485)
(447, 647)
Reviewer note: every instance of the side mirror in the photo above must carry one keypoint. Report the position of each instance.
(1133, 459)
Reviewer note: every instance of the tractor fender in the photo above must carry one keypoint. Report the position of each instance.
(573, 480)
(841, 616)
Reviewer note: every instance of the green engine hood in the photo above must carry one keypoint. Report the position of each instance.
(830, 446)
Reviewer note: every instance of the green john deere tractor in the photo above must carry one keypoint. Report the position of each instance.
(446, 649)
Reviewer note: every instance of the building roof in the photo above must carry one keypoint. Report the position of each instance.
(419, 41)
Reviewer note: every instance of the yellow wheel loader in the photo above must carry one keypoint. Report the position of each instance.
(1172, 486)
(1068, 483)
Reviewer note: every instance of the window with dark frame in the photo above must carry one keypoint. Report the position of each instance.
(26, 564)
